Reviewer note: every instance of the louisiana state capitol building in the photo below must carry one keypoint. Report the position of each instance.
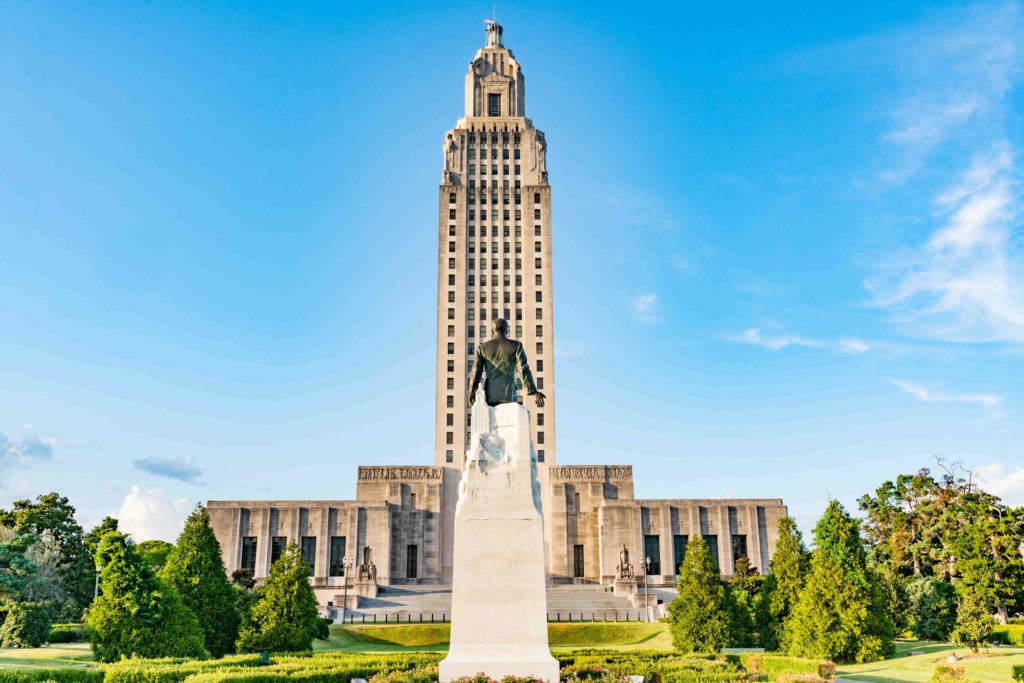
(494, 260)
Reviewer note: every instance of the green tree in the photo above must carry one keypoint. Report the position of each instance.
(155, 552)
(51, 519)
(932, 608)
(743, 596)
(195, 568)
(96, 534)
(841, 612)
(987, 545)
(285, 616)
(789, 567)
(973, 620)
(699, 618)
(903, 524)
(27, 625)
(137, 614)
(17, 571)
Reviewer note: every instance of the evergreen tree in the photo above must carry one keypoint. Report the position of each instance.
(743, 596)
(987, 544)
(700, 617)
(932, 608)
(95, 535)
(841, 612)
(285, 616)
(155, 552)
(51, 519)
(973, 620)
(17, 571)
(137, 614)
(789, 568)
(195, 568)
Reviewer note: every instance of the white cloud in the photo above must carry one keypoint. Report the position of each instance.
(182, 469)
(962, 281)
(23, 451)
(1007, 485)
(854, 346)
(152, 515)
(774, 342)
(645, 307)
(936, 396)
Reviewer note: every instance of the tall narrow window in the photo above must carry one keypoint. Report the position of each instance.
(249, 553)
(652, 551)
(277, 544)
(577, 561)
(679, 550)
(337, 556)
(309, 553)
(411, 561)
(739, 546)
(712, 541)
(494, 104)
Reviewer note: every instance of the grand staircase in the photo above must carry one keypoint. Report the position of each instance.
(416, 604)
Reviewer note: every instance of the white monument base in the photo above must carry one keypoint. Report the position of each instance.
(499, 599)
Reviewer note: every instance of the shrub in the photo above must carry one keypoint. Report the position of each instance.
(57, 675)
(428, 675)
(947, 672)
(973, 621)
(1010, 634)
(933, 608)
(1018, 672)
(27, 625)
(323, 628)
(67, 633)
(170, 670)
(772, 666)
(799, 678)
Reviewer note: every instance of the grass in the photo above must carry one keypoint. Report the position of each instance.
(989, 666)
(66, 654)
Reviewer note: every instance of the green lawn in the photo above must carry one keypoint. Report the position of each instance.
(70, 654)
(989, 666)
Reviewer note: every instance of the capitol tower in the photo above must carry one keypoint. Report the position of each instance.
(494, 257)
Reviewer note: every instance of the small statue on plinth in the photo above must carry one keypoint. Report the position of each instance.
(625, 569)
(367, 571)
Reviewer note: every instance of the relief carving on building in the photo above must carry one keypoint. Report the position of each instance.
(389, 473)
(591, 472)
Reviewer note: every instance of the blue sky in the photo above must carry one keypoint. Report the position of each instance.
(788, 253)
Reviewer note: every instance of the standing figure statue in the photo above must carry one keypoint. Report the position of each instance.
(625, 569)
(502, 359)
(451, 154)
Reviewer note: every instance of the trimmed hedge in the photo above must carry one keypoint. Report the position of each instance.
(57, 675)
(171, 669)
(67, 633)
(1008, 634)
(774, 666)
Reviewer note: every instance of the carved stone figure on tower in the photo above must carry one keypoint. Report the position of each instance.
(502, 359)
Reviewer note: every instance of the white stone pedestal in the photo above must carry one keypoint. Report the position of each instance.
(499, 599)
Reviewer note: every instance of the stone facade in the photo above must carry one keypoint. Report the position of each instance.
(494, 261)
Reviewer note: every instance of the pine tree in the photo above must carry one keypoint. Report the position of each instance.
(789, 568)
(841, 612)
(932, 608)
(195, 568)
(700, 616)
(137, 614)
(285, 616)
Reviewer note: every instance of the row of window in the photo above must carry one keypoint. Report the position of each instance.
(505, 265)
(471, 296)
(471, 245)
(505, 230)
(652, 550)
(494, 152)
(470, 347)
(449, 455)
(307, 545)
(505, 215)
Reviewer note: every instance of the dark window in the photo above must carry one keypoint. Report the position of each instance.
(712, 541)
(536, 197)
(536, 214)
(451, 213)
(449, 438)
(337, 556)
(450, 420)
(540, 347)
(540, 455)
(493, 104)
(538, 297)
(410, 562)
(540, 437)
(451, 347)
(451, 198)
(679, 550)
(540, 330)
(577, 561)
(540, 365)
(451, 401)
(451, 279)
(249, 553)
(449, 456)
(652, 550)
(739, 546)
(277, 548)
(309, 553)
(540, 419)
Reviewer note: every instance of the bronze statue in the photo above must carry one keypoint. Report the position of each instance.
(502, 357)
